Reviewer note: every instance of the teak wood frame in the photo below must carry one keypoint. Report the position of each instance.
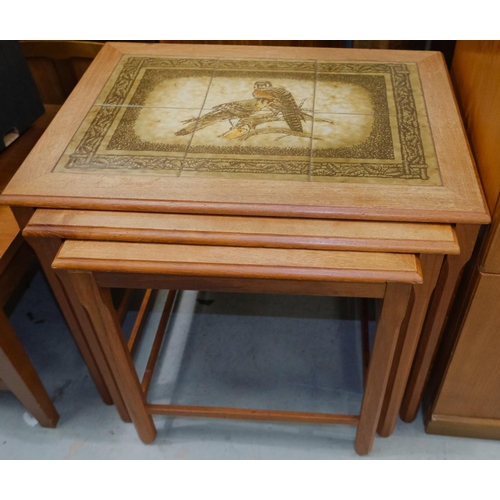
(458, 200)
(94, 272)
(435, 321)
(49, 228)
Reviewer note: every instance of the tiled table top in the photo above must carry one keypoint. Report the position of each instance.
(258, 131)
(299, 120)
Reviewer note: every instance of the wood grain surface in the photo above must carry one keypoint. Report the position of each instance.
(57, 65)
(245, 231)
(435, 321)
(267, 263)
(476, 79)
(78, 322)
(470, 385)
(10, 237)
(394, 309)
(463, 390)
(252, 414)
(450, 425)
(241, 285)
(408, 342)
(12, 157)
(489, 256)
(101, 312)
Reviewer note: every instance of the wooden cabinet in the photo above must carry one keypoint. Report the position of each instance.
(468, 401)
(464, 394)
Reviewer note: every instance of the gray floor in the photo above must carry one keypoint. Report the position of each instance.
(291, 353)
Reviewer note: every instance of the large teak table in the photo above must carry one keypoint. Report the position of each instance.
(259, 132)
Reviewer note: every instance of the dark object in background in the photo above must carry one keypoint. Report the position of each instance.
(20, 103)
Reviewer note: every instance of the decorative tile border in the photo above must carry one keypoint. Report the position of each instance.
(374, 158)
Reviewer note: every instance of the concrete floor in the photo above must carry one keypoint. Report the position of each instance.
(290, 353)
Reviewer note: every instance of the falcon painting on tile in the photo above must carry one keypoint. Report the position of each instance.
(261, 119)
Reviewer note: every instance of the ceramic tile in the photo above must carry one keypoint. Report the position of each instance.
(352, 136)
(158, 82)
(152, 129)
(371, 148)
(353, 94)
(372, 121)
(256, 122)
(262, 129)
(169, 91)
(368, 88)
(247, 167)
(259, 119)
(239, 148)
(274, 91)
(131, 140)
(430, 167)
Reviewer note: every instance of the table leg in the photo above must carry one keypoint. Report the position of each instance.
(21, 378)
(394, 308)
(46, 250)
(435, 321)
(407, 344)
(99, 305)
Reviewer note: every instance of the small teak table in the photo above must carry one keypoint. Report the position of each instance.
(95, 267)
(303, 136)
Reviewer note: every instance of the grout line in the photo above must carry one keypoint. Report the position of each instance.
(199, 116)
(194, 109)
(138, 106)
(309, 174)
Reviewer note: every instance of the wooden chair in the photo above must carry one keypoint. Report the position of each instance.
(16, 371)
(57, 66)
(95, 267)
(17, 374)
